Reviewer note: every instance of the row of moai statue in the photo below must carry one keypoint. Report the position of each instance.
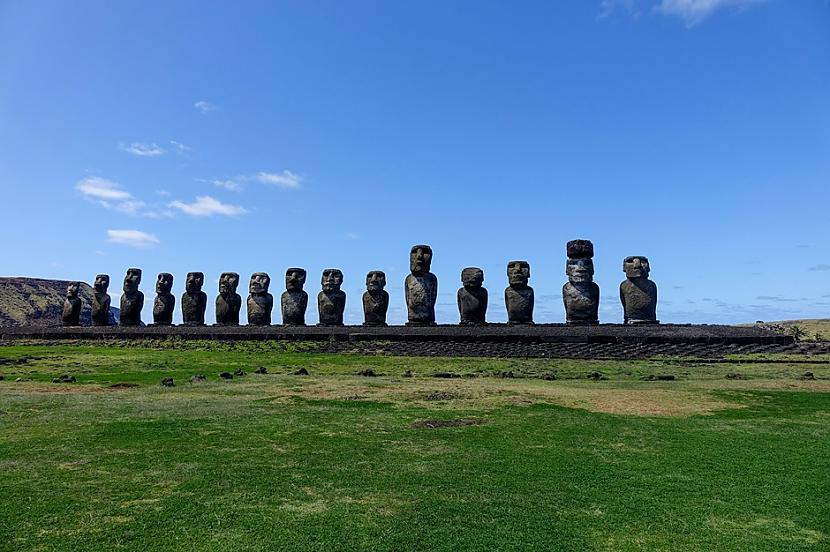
(581, 295)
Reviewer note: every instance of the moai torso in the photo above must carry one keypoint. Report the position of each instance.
(259, 309)
(330, 305)
(421, 294)
(518, 297)
(637, 293)
(72, 306)
(375, 305)
(294, 304)
(193, 308)
(228, 302)
(163, 307)
(472, 297)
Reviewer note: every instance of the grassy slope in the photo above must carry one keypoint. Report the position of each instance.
(330, 462)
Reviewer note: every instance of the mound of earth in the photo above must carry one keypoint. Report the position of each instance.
(39, 302)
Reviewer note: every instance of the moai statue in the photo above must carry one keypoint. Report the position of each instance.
(637, 293)
(518, 296)
(132, 300)
(294, 300)
(260, 302)
(472, 297)
(72, 305)
(375, 299)
(331, 302)
(194, 300)
(228, 302)
(420, 288)
(580, 294)
(101, 301)
(165, 302)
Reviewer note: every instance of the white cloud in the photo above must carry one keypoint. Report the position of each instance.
(205, 106)
(285, 179)
(181, 149)
(694, 11)
(205, 206)
(130, 207)
(141, 149)
(228, 184)
(95, 187)
(133, 238)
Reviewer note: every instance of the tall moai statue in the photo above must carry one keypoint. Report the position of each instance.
(228, 302)
(260, 302)
(637, 293)
(194, 300)
(331, 301)
(165, 302)
(375, 299)
(581, 293)
(132, 300)
(420, 287)
(72, 305)
(294, 300)
(472, 297)
(518, 296)
(101, 301)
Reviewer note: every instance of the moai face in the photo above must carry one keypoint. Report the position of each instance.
(472, 277)
(580, 270)
(72, 289)
(636, 267)
(295, 279)
(375, 280)
(518, 273)
(332, 279)
(420, 259)
(164, 283)
(102, 283)
(259, 283)
(228, 282)
(194, 282)
(132, 279)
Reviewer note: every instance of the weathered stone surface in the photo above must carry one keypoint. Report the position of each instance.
(420, 287)
(101, 301)
(331, 301)
(518, 297)
(165, 302)
(375, 299)
(132, 300)
(472, 297)
(260, 302)
(580, 294)
(294, 300)
(194, 300)
(228, 302)
(72, 305)
(637, 293)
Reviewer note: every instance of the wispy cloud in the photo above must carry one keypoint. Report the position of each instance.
(819, 268)
(109, 194)
(132, 238)
(206, 206)
(141, 149)
(205, 106)
(232, 184)
(181, 149)
(286, 179)
(694, 11)
(774, 299)
(608, 7)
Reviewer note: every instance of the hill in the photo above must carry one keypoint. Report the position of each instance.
(39, 302)
(814, 329)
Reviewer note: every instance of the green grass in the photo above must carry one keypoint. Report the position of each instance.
(331, 461)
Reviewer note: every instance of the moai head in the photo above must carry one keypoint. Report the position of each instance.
(636, 267)
(472, 277)
(132, 279)
(518, 273)
(72, 289)
(375, 280)
(228, 282)
(102, 283)
(194, 282)
(580, 265)
(295, 279)
(259, 283)
(420, 259)
(332, 279)
(164, 283)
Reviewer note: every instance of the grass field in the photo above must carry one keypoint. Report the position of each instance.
(337, 461)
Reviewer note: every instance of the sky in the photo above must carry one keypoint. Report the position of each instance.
(256, 136)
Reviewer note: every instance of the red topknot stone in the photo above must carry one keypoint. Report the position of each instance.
(580, 249)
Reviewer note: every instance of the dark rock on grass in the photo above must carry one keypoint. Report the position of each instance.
(226, 376)
(64, 378)
(123, 386)
(198, 378)
(439, 396)
(2, 377)
(596, 376)
(367, 372)
(261, 370)
(167, 382)
(735, 376)
(301, 372)
(659, 377)
(507, 374)
(22, 379)
(548, 376)
(808, 375)
(238, 372)
(406, 374)
(432, 424)
(445, 375)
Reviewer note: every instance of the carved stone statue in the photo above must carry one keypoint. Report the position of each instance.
(165, 302)
(194, 300)
(375, 299)
(228, 302)
(580, 294)
(260, 302)
(420, 288)
(518, 297)
(72, 305)
(472, 297)
(101, 301)
(132, 300)
(294, 300)
(331, 302)
(637, 293)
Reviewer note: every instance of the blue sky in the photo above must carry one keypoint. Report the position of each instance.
(180, 136)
